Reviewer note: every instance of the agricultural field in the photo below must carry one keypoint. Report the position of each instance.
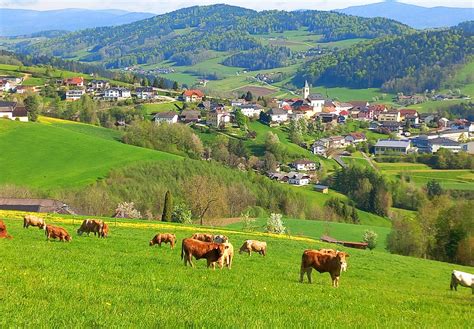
(68, 156)
(421, 174)
(162, 107)
(144, 286)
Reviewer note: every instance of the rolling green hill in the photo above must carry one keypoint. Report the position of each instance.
(121, 281)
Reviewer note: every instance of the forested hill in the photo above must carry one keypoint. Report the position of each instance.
(410, 63)
(182, 34)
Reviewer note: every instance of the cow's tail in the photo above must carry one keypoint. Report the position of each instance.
(182, 250)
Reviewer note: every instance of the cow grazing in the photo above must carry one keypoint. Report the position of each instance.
(3, 231)
(203, 237)
(463, 279)
(211, 251)
(55, 232)
(221, 239)
(105, 231)
(323, 262)
(334, 253)
(32, 220)
(164, 238)
(91, 225)
(254, 245)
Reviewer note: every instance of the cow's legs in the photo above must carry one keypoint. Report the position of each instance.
(302, 271)
(308, 274)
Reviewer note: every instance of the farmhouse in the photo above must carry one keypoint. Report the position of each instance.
(355, 138)
(277, 115)
(392, 147)
(192, 95)
(218, 118)
(321, 147)
(12, 111)
(189, 116)
(118, 93)
(99, 85)
(74, 82)
(250, 110)
(168, 117)
(74, 94)
(390, 116)
(298, 179)
(303, 165)
(35, 205)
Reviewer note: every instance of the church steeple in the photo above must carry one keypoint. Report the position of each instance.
(306, 90)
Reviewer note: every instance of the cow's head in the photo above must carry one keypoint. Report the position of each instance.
(152, 243)
(341, 257)
(105, 230)
(221, 249)
(68, 238)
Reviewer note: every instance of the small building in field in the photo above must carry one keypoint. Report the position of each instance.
(321, 188)
(13, 111)
(388, 146)
(35, 205)
(74, 94)
(298, 179)
(168, 117)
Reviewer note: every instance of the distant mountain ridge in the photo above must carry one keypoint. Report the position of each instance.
(412, 15)
(14, 22)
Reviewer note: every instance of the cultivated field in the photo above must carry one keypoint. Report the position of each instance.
(121, 281)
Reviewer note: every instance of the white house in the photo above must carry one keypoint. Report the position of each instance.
(5, 85)
(99, 84)
(218, 118)
(118, 93)
(392, 146)
(320, 148)
(168, 117)
(355, 138)
(250, 110)
(74, 95)
(436, 144)
(317, 102)
(298, 179)
(303, 165)
(145, 93)
(278, 115)
(11, 110)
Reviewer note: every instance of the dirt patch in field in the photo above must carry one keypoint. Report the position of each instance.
(221, 221)
(257, 91)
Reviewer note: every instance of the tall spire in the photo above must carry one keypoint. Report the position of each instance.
(306, 90)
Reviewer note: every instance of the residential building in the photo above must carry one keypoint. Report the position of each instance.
(321, 188)
(12, 111)
(118, 93)
(393, 116)
(388, 146)
(74, 94)
(410, 115)
(99, 85)
(468, 147)
(24, 89)
(11, 79)
(320, 148)
(436, 144)
(298, 179)
(74, 82)
(355, 138)
(359, 105)
(278, 115)
(218, 118)
(145, 93)
(190, 116)
(192, 96)
(168, 117)
(317, 102)
(5, 85)
(250, 110)
(304, 165)
(389, 126)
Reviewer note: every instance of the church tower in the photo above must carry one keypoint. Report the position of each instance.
(306, 90)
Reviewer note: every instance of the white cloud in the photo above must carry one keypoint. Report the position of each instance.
(161, 6)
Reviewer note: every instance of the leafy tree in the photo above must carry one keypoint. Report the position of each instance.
(240, 119)
(275, 224)
(405, 238)
(175, 85)
(167, 208)
(181, 214)
(32, 104)
(371, 238)
(433, 189)
(355, 216)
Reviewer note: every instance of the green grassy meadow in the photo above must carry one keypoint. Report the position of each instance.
(122, 282)
(57, 155)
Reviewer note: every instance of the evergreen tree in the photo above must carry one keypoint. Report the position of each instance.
(168, 208)
(32, 104)
(175, 85)
(249, 96)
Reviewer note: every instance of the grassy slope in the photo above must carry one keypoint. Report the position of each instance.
(56, 155)
(121, 281)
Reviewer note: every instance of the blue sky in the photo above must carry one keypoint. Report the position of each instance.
(161, 6)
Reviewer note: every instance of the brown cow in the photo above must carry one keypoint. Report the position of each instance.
(57, 232)
(254, 245)
(334, 253)
(91, 225)
(164, 238)
(3, 231)
(209, 250)
(32, 220)
(322, 262)
(105, 231)
(227, 257)
(204, 237)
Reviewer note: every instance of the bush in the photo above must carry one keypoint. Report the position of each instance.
(371, 238)
(248, 223)
(127, 210)
(181, 214)
(275, 224)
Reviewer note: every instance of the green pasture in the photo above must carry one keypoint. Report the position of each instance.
(122, 282)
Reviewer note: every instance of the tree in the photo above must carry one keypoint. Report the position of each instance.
(405, 238)
(355, 216)
(249, 96)
(275, 224)
(433, 189)
(175, 85)
(240, 119)
(167, 208)
(371, 238)
(181, 214)
(32, 104)
(203, 193)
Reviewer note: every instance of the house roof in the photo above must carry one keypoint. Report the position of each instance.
(7, 106)
(36, 205)
(390, 124)
(405, 112)
(357, 135)
(393, 143)
(443, 141)
(144, 89)
(191, 92)
(377, 107)
(166, 115)
(303, 161)
(276, 111)
(358, 103)
(344, 112)
(316, 97)
(74, 80)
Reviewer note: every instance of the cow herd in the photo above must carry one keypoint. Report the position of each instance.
(217, 250)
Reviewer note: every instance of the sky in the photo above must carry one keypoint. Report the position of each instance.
(163, 6)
